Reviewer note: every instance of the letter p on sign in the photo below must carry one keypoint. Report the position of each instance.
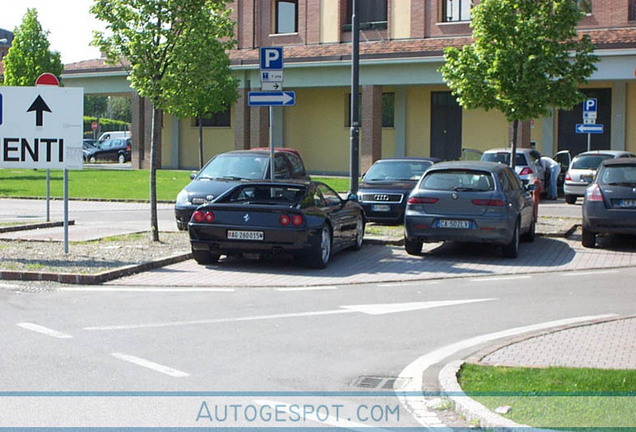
(271, 58)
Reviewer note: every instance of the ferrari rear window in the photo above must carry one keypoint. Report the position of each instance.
(265, 194)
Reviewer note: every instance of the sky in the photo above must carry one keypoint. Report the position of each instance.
(69, 23)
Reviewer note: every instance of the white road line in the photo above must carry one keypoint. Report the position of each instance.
(144, 290)
(408, 284)
(497, 278)
(151, 365)
(316, 288)
(43, 330)
(588, 273)
(413, 372)
(370, 309)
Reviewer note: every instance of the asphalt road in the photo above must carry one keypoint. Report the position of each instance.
(276, 341)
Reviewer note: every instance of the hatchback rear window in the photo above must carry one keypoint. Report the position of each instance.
(619, 175)
(458, 180)
(589, 162)
(504, 158)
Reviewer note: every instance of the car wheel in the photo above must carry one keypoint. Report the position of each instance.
(511, 250)
(121, 158)
(570, 199)
(359, 234)
(531, 234)
(204, 257)
(413, 247)
(588, 238)
(319, 256)
(92, 159)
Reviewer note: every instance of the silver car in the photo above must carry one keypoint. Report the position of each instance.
(527, 163)
(470, 202)
(582, 170)
(610, 201)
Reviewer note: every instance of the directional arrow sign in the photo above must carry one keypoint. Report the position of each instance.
(39, 106)
(280, 98)
(589, 128)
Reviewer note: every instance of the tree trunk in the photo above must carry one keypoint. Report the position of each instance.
(513, 152)
(200, 119)
(154, 163)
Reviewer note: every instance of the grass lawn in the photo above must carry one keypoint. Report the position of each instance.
(556, 397)
(93, 183)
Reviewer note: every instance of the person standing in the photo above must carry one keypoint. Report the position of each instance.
(553, 169)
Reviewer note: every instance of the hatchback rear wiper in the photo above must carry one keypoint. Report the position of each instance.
(621, 184)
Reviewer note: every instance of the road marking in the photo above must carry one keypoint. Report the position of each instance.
(589, 273)
(151, 365)
(408, 284)
(317, 288)
(374, 309)
(497, 278)
(44, 330)
(412, 374)
(145, 290)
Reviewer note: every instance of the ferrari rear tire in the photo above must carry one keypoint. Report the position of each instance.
(205, 257)
(319, 256)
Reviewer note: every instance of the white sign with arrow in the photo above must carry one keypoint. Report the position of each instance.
(41, 127)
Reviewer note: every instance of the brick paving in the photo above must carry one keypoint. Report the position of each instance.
(607, 345)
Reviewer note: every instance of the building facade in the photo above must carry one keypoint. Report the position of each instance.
(406, 109)
(6, 38)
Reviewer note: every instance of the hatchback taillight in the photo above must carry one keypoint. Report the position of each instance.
(594, 193)
(526, 171)
(489, 202)
(568, 177)
(423, 200)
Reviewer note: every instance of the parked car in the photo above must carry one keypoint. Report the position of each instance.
(610, 200)
(226, 170)
(114, 134)
(470, 202)
(305, 219)
(88, 145)
(110, 150)
(385, 188)
(582, 170)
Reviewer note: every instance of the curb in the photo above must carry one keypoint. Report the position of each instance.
(33, 226)
(92, 279)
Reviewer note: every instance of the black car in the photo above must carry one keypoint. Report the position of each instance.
(306, 219)
(386, 186)
(610, 201)
(226, 170)
(115, 149)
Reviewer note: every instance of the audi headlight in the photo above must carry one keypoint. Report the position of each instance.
(183, 198)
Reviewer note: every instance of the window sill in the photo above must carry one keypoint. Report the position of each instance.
(283, 34)
(453, 23)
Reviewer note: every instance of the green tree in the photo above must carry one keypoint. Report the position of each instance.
(119, 106)
(95, 106)
(155, 38)
(526, 58)
(29, 55)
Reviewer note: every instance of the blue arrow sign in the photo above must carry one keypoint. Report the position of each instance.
(275, 98)
(589, 128)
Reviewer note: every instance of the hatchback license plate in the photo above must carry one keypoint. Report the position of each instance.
(245, 235)
(587, 178)
(630, 203)
(381, 207)
(452, 223)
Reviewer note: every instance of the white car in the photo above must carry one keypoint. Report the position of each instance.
(582, 170)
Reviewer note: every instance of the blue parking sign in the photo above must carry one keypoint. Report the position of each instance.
(590, 105)
(271, 58)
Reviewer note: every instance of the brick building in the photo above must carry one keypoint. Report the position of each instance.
(406, 107)
(6, 38)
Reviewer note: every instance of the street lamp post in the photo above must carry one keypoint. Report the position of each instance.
(354, 164)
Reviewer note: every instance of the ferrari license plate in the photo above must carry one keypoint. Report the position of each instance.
(245, 235)
(627, 203)
(452, 223)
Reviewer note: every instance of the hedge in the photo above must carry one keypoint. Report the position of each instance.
(105, 125)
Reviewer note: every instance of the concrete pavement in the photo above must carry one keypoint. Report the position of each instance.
(606, 344)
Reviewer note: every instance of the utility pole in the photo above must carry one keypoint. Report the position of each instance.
(354, 163)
